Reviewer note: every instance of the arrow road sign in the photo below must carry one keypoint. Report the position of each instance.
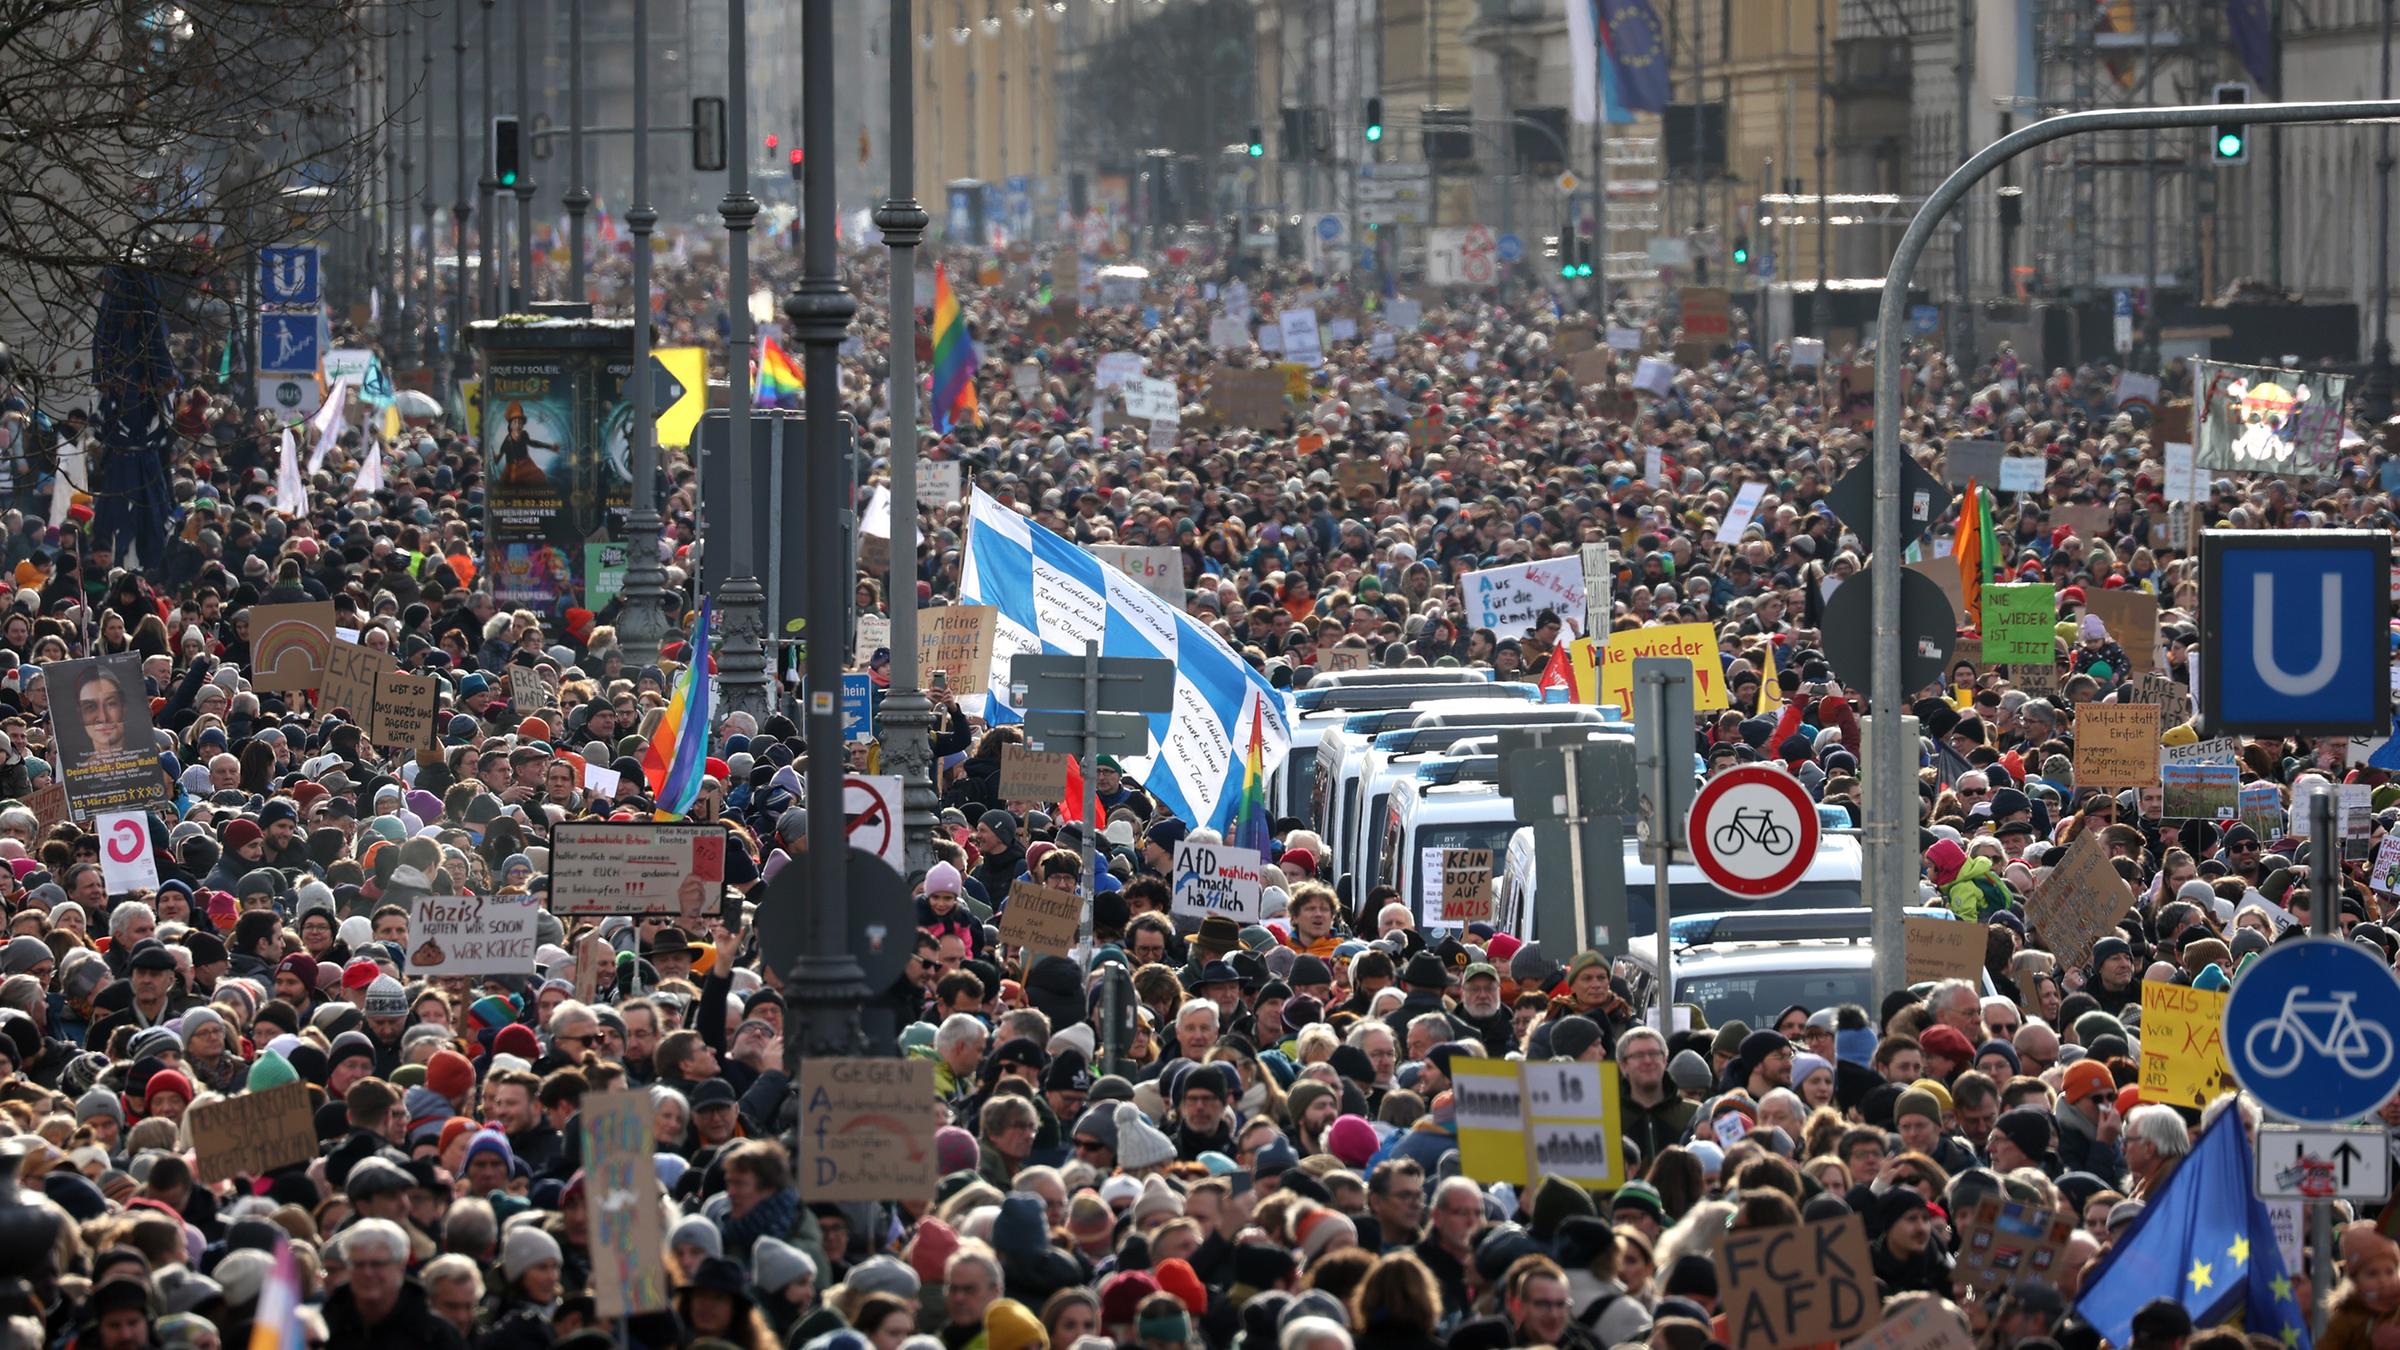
(2291, 632)
(665, 390)
(2310, 1031)
(2295, 1163)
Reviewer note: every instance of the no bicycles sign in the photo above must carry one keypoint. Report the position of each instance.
(1753, 831)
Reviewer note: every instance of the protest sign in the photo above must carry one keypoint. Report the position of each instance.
(874, 634)
(526, 692)
(637, 868)
(1159, 567)
(1488, 1105)
(1707, 314)
(2002, 1241)
(1965, 461)
(251, 1134)
(955, 641)
(1922, 1325)
(1572, 1130)
(1654, 375)
(2131, 618)
(1040, 918)
(472, 935)
(2214, 750)
(1331, 659)
(2384, 874)
(2081, 899)
(126, 860)
(100, 721)
(287, 645)
(2200, 791)
(1115, 368)
(1798, 1284)
(1591, 367)
(1228, 333)
(1743, 510)
(2082, 519)
(1252, 399)
(404, 707)
(1355, 476)
(1150, 400)
(1033, 775)
(2116, 745)
(1624, 339)
(941, 483)
(1301, 340)
(2260, 806)
(621, 1197)
(2183, 1045)
(349, 679)
(1466, 894)
(1218, 879)
(601, 780)
(48, 804)
(1942, 949)
(866, 1133)
(2261, 419)
(2023, 473)
(1694, 642)
(1507, 600)
(2172, 698)
(1808, 353)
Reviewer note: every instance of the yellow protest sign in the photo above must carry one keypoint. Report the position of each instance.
(2183, 1045)
(1295, 379)
(1488, 1102)
(1572, 1129)
(1695, 642)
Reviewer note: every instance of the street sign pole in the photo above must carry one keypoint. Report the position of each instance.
(1574, 819)
(1069, 697)
(1662, 686)
(2325, 912)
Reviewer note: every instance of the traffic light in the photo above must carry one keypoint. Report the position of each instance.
(1741, 250)
(771, 142)
(508, 151)
(1258, 141)
(1574, 256)
(799, 163)
(2231, 144)
(1374, 120)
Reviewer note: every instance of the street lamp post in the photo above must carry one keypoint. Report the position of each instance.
(826, 986)
(578, 197)
(907, 715)
(742, 600)
(461, 209)
(430, 293)
(642, 625)
(401, 208)
(487, 188)
(525, 169)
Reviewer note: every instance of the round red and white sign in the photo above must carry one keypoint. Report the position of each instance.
(1753, 830)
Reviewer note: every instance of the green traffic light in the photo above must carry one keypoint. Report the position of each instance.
(1257, 151)
(1374, 133)
(508, 180)
(2229, 144)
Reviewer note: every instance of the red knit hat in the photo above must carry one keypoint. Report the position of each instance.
(517, 1039)
(450, 1075)
(1122, 1293)
(167, 1081)
(1178, 1278)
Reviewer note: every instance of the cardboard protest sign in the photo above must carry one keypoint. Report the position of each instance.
(1507, 600)
(48, 804)
(956, 641)
(2183, 1045)
(2085, 520)
(1922, 1325)
(593, 957)
(1572, 1129)
(2116, 745)
(1488, 1101)
(1033, 775)
(1253, 399)
(2132, 620)
(472, 935)
(100, 724)
(1040, 918)
(1331, 659)
(404, 707)
(1966, 461)
(2019, 624)
(1943, 572)
(1159, 567)
(1707, 314)
(2200, 791)
(1218, 879)
(287, 645)
(251, 1134)
(1942, 949)
(1466, 894)
(349, 680)
(866, 1130)
(1798, 1285)
(2081, 900)
(1591, 367)
(2000, 1242)
(621, 1190)
(637, 868)
(1355, 476)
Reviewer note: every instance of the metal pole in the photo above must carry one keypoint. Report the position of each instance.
(826, 987)
(1662, 857)
(525, 169)
(907, 715)
(410, 299)
(743, 600)
(2325, 909)
(431, 291)
(487, 273)
(1091, 790)
(461, 209)
(391, 280)
(578, 197)
(1575, 820)
(1600, 216)
(1816, 310)
(2379, 404)
(642, 623)
(1962, 315)
(1891, 786)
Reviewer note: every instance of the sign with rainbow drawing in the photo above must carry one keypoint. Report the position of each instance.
(287, 645)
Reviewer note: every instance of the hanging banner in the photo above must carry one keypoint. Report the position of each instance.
(2261, 419)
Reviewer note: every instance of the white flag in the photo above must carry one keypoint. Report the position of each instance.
(72, 470)
(291, 491)
(327, 422)
(370, 472)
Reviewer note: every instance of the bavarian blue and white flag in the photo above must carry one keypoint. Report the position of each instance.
(1054, 597)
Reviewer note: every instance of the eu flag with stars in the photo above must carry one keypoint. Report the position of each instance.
(1636, 49)
(2205, 1242)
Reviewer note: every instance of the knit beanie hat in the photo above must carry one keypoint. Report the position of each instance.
(1322, 1230)
(270, 1070)
(1689, 1071)
(1917, 1102)
(1139, 1143)
(1351, 1139)
(1554, 1202)
(1157, 1198)
(525, 1247)
(943, 879)
(698, 1231)
(1010, 1325)
(450, 1074)
(929, 1252)
(1100, 1122)
(775, 1263)
(1122, 1293)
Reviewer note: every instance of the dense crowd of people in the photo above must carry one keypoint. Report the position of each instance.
(1272, 1161)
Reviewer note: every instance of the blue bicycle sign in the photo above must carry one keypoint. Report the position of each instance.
(2312, 1029)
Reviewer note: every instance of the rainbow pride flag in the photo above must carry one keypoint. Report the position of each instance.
(779, 379)
(1249, 823)
(277, 1326)
(953, 358)
(678, 753)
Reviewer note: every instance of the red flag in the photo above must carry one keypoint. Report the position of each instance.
(1559, 673)
(1070, 807)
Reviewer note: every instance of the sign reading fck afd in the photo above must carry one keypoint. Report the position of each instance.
(2294, 636)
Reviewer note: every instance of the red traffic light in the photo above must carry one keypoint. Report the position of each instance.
(771, 140)
(799, 156)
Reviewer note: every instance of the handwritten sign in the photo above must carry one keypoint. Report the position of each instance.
(1801, 1284)
(1040, 918)
(1942, 949)
(1508, 600)
(404, 710)
(1159, 567)
(2001, 1242)
(287, 645)
(621, 1196)
(349, 680)
(1218, 879)
(472, 935)
(957, 641)
(1922, 1325)
(1331, 659)
(2116, 745)
(637, 868)
(2081, 899)
(866, 1130)
(1572, 1128)
(2131, 618)
(2019, 624)
(1033, 775)
(1466, 885)
(2183, 1045)
(1694, 642)
(48, 804)
(252, 1133)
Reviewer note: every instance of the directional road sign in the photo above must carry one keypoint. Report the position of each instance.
(1125, 735)
(2293, 632)
(2311, 1030)
(290, 275)
(1753, 830)
(1136, 684)
(1928, 629)
(1923, 501)
(290, 343)
(2297, 1163)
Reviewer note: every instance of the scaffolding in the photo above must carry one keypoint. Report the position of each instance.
(2132, 210)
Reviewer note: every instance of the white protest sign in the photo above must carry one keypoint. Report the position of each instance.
(1404, 315)
(1116, 368)
(2183, 476)
(1382, 345)
(2023, 473)
(1228, 332)
(1808, 352)
(1300, 340)
(1625, 339)
(1270, 339)
(1159, 567)
(1654, 466)
(1741, 513)
(2214, 750)
(637, 868)
(1507, 599)
(601, 779)
(1655, 376)
(874, 631)
(472, 934)
(1596, 603)
(126, 862)
(1218, 879)
(1148, 400)
(1341, 330)
(941, 482)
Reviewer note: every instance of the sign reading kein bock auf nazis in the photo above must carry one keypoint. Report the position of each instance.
(637, 868)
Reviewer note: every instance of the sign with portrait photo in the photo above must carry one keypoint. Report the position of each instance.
(100, 715)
